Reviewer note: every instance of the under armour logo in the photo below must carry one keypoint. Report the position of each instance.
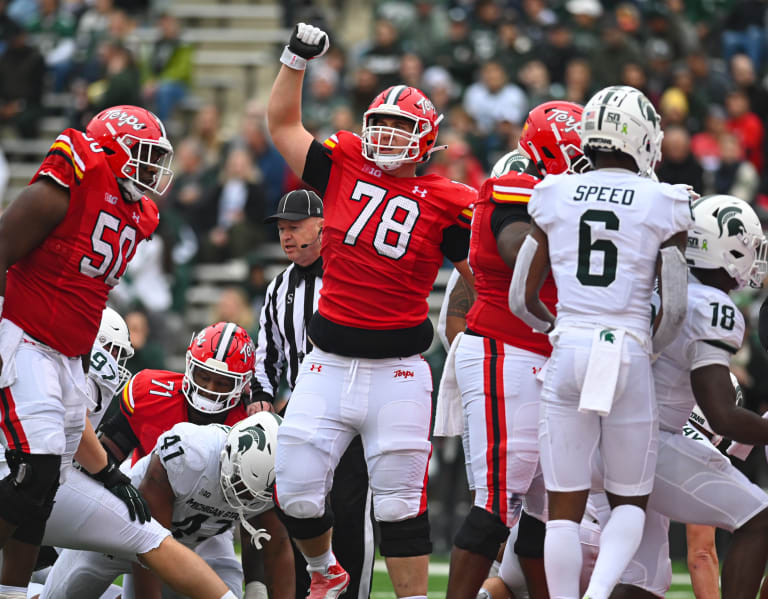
(419, 191)
(136, 217)
(316, 367)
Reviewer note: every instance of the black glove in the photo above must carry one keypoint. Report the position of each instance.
(120, 485)
(308, 41)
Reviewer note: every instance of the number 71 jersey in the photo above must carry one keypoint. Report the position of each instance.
(604, 230)
(58, 291)
(384, 239)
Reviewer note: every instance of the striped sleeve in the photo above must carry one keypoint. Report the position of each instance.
(63, 163)
(511, 194)
(269, 345)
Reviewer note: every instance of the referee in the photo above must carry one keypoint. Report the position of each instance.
(291, 300)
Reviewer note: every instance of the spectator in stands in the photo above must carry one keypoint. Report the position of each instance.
(742, 71)
(92, 29)
(494, 99)
(735, 175)
(191, 181)
(411, 70)
(484, 34)
(255, 139)
(229, 221)
(122, 80)
(558, 50)
(585, 24)
(457, 162)
(634, 75)
(207, 130)
(513, 49)
(383, 57)
(698, 102)
(22, 72)
(708, 78)
(365, 86)
(578, 81)
(616, 49)
(537, 16)
(457, 53)
(746, 124)
(744, 31)
(440, 87)
(673, 108)
(322, 99)
(678, 165)
(705, 145)
(427, 29)
(232, 306)
(148, 354)
(53, 32)
(168, 68)
(534, 77)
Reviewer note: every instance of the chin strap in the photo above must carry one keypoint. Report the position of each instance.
(256, 534)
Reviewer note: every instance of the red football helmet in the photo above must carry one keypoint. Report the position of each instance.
(136, 147)
(389, 147)
(551, 138)
(220, 361)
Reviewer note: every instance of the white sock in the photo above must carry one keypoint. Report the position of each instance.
(9, 592)
(320, 563)
(619, 541)
(562, 559)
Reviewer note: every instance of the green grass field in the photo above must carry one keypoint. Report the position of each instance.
(438, 580)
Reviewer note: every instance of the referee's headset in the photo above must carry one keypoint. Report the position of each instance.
(306, 245)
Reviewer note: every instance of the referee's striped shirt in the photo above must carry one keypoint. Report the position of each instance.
(290, 301)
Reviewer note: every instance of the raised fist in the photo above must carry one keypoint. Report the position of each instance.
(308, 41)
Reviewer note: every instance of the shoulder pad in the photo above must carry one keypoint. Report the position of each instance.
(187, 451)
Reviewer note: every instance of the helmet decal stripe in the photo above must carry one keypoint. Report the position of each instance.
(394, 95)
(227, 336)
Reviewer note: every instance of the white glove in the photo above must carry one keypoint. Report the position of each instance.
(307, 42)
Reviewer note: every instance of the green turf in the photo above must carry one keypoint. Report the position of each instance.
(438, 579)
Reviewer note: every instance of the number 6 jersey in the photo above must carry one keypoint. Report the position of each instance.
(57, 292)
(604, 230)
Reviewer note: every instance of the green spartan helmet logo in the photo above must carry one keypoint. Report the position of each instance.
(607, 336)
(727, 218)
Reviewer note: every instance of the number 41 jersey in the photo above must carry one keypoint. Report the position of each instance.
(57, 292)
(384, 239)
(604, 230)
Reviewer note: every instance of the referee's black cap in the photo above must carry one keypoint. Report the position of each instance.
(297, 205)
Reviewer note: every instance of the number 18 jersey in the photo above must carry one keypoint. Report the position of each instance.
(604, 230)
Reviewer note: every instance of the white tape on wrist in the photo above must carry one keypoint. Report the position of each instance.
(2, 301)
(293, 60)
(256, 590)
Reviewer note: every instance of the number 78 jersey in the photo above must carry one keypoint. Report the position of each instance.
(384, 239)
(604, 230)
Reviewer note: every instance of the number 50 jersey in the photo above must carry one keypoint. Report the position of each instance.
(605, 229)
(58, 291)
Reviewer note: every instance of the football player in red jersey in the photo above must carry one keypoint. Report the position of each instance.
(386, 233)
(64, 243)
(498, 357)
(219, 366)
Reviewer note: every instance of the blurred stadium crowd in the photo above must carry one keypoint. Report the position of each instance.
(483, 63)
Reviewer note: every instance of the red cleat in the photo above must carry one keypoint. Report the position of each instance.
(330, 585)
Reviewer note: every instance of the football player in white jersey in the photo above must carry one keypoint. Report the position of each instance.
(694, 482)
(198, 481)
(602, 233)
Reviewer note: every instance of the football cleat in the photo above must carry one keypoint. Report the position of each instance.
(330, 585)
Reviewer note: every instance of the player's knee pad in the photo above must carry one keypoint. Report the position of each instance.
(530, 537)
(27, 492)
(406, 538)
(482, 533)
(306, 528)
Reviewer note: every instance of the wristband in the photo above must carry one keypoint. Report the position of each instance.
(292, 60)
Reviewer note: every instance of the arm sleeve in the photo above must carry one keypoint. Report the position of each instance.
(504, 215)
(270, 356)
(317, 168)
(705, 354)
(455, 244)
(119, 431)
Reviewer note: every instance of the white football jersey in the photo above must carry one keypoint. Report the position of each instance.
(711, 318)
(103, 381)
(191, 456)
(605, 229)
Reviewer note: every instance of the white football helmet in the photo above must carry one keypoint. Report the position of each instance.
(621, 118)
(512, 161)
(727, 234)
(248, 463)
(697, 416)
(113, 336)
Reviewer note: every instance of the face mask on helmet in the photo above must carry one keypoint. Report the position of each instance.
(412, 141)
(219, 365)
(248, 463)
(113, 336)
(698, 418)
(621, 119)
(136, 147)
(727, 234)
(551, 138)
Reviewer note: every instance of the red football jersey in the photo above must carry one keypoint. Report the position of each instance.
(152, 402)
(58, 291)
(490, 315)
(382, 238)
